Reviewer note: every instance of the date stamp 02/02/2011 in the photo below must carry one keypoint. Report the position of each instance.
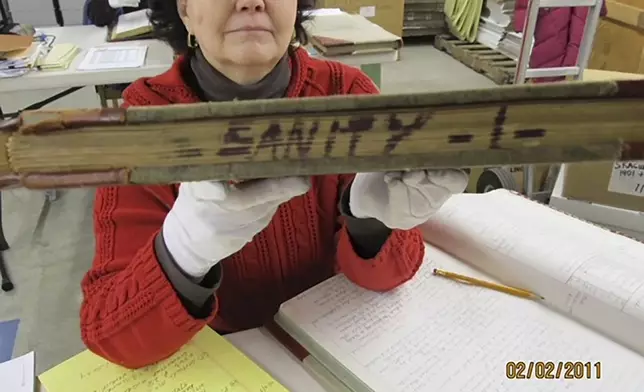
(553, 370)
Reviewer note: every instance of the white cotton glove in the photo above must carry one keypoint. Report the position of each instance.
(212, 220)
(124, 3)
(404, 200)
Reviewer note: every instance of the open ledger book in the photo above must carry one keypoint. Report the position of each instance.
(434, 334)
(130, 26)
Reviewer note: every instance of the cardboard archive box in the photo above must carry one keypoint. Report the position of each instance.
(615, 184)
(387, 14)
(619, 40)
(619, 184)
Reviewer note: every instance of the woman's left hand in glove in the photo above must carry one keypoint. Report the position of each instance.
(405, 199)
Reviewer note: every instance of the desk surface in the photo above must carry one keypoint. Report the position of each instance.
(158, 60)
(268, 353)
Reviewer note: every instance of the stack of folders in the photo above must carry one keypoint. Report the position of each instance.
(21, 54)
(59, 57)
(18, 54)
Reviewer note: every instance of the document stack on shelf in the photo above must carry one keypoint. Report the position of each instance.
(437, 334)
(496, 28)
(333, 32)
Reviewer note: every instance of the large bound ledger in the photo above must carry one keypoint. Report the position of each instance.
(434, 334)
(546, 123)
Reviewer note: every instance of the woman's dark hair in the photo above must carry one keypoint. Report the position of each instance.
(168, 26)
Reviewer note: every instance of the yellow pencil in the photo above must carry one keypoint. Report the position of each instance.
(493, 286)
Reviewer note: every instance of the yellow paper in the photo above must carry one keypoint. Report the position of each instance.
(209, 363)
(59, 57)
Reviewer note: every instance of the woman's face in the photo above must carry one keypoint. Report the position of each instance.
(247, 33)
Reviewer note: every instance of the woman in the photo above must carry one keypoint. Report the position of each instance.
(162, 252)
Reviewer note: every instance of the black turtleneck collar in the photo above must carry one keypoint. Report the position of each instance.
(216, 87)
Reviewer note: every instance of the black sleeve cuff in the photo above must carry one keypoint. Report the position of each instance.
(197, 297)
(367, 235)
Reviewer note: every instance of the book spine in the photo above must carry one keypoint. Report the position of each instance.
(249, 140)
(45, 121)
(287, 341)
(38, 181)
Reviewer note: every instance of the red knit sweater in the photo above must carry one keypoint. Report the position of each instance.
(131, 314)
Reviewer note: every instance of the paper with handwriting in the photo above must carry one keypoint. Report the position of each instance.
(208, 363)
(435, 334)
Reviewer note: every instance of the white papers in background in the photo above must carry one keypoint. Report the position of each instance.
(496, 37)
(496, 30)
(324, 11)
(123, 3)
(490, 33)
(510, 45)
(17, 374)
(368, 11)
(499, 12)
(114, 56)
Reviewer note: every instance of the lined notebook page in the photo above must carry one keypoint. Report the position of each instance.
(583, 270)
(433, 334)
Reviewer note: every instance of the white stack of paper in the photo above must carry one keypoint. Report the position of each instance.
(490, 34)
(510, 45)
(496, 28)
(501, 12)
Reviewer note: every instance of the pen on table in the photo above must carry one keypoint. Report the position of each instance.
(482, 283)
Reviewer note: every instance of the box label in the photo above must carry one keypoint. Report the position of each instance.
(627, 178)
(368, 12)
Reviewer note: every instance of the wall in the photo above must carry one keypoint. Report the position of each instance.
(41, 12)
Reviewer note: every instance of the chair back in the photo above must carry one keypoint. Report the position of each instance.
(86, 20)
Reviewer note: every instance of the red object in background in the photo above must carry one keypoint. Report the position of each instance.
(557, 35)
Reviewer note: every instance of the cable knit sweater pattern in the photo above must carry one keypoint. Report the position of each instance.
(131, 314)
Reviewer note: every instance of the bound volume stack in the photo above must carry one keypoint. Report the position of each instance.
(424, 18)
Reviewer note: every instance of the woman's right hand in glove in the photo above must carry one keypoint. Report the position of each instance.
(212, 220)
